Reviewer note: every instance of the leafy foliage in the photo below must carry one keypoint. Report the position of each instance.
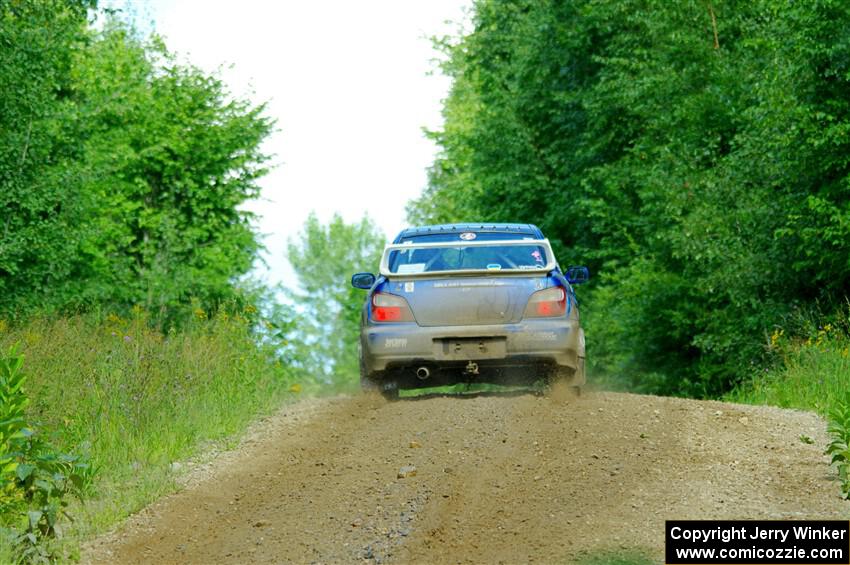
(41, 204)
(122, 172)
(839, 447)
(706, 182)
(36, 482)
(13, 430)
(324, 258)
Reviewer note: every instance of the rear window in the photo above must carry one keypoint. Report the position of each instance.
(479, 257)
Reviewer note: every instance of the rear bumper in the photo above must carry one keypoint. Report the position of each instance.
(555, 342)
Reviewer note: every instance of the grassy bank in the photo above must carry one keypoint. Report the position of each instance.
(811, 372)
(135, 399)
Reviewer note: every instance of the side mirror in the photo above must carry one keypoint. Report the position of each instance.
(363, 280)
(578, 275)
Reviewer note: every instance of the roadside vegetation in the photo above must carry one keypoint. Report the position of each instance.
(129, 335)
(810, 370)
(132, 402)
(36, 481)
(136, 401)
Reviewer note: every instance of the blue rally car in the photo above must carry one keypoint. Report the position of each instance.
(470, 303)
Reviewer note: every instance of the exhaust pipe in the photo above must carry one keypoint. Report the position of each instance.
(422, 373)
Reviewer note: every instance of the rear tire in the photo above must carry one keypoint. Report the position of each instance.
(561, 380)
(367, 384)
(390, 394)
(370, 385)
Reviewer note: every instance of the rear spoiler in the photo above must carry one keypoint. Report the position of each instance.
(551, 263)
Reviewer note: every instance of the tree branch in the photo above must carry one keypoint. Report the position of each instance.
(26, 148)
(713, 25)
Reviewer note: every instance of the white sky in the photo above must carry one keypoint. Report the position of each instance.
(348, 84)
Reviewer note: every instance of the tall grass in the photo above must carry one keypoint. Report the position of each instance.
(812, 369)
(136, 399)
(812, 372)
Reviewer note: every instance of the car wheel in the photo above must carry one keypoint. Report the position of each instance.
(368, 384)
(390, 393)
(388, 389)
(564, 379)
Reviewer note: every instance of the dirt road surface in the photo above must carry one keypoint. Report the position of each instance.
(499, 479)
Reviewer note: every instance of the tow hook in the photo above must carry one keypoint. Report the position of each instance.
(471, 368)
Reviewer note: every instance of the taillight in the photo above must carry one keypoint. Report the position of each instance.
(547, 303)
(390, 308)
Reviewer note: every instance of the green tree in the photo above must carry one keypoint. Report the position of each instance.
(41, 204)
(122, 172)
(324, 257)
(171, 159)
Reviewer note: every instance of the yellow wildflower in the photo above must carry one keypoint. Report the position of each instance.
(774, 337)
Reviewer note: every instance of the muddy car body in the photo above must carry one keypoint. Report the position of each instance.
(470, 303)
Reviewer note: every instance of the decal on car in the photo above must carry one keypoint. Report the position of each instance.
(545, 336)
(411, 268)
(458, 284)
(537, 256)
(468, 236)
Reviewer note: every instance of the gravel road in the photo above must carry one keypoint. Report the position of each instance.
(518, 478)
